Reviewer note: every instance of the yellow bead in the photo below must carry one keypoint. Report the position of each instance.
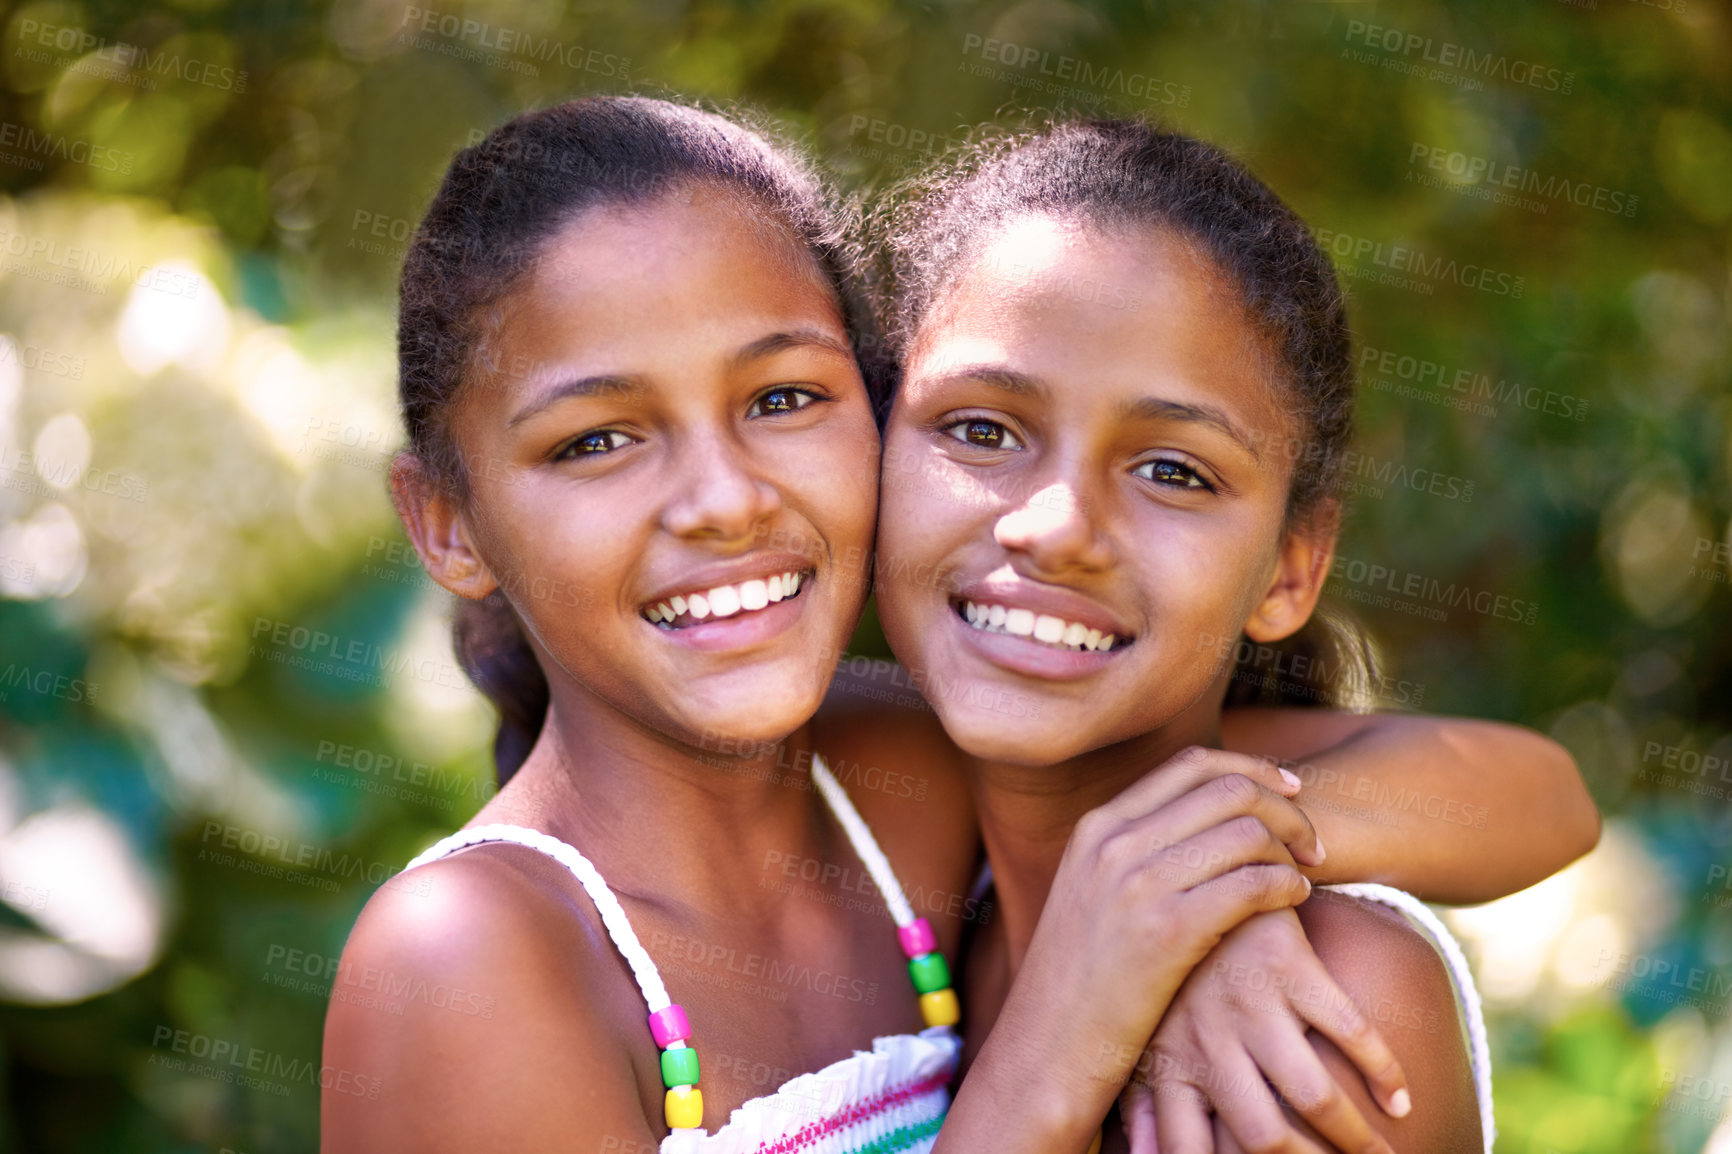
(684, 1108)
(1095, 1146)
(940, 1008)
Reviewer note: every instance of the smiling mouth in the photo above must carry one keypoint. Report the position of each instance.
(723, 601)
(1041, 628)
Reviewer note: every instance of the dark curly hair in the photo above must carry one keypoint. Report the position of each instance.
(500, 202)
(1117, 173)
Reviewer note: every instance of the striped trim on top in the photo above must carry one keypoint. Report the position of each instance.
(808, 1136)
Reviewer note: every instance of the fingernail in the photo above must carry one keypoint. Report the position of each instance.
(1288, 776)
(1400, 1104)
(1321, 852)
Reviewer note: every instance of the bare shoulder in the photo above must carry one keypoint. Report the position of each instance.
(474, 1009)
(1400, 985)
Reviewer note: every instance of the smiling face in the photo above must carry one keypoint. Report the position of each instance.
(672, 470)
(1083, 495)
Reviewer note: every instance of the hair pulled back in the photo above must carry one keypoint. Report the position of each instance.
(499, 204)
(1118, 173)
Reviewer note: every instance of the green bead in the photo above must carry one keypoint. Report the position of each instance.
(929, 973)
(680, 1067)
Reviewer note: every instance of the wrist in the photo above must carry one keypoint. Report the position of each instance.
(1027, 1096)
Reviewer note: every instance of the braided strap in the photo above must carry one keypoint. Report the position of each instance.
(864, 843)
(649, 979)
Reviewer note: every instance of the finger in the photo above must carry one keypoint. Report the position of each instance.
(1250, 1111)
(1221, 800)
(1182, 1120)
(1288, 1061)
(1224, 1143)
(1190, 768)
(1216, 906)
(1335, 1015)
(1230, 846)
(1137, 1114)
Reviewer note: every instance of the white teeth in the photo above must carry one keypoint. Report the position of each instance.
(724, 600)
(1045, 628)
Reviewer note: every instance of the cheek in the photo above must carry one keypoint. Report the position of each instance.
(835, 479)
(551, 553)
(910, 515)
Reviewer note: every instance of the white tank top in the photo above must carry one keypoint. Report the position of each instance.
(886, 1100)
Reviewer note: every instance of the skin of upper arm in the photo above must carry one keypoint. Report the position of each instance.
(1401, 985)
(1498, 771)
(456, 1011)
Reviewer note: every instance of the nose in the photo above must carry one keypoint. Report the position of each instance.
(1057, 531)
(717, 495)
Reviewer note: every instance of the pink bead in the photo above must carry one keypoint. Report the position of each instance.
(670, 1026)
(917, 938)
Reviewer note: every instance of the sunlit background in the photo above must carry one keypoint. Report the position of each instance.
(228, 708)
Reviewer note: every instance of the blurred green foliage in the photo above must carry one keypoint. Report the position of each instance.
(203, 205)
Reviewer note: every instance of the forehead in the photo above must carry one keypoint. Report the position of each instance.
(696, 264)
(1115, 308)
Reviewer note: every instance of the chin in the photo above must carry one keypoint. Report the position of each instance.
(765, 714)
(1028, 739)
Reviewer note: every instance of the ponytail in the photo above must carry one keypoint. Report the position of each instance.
(496, 655)
(1330, 663)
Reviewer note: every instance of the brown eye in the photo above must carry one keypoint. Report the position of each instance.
(983, 434)
(592, 444)
(1173, 473)
(780, 400)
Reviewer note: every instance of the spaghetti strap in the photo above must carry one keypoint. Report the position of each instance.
(643, 968)
(889, 1100)
(865, 845)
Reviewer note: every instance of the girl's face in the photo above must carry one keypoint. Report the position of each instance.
(1085, 446)
(667, 416)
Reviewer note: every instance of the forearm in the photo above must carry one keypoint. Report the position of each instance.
(1452, 810)
(1059, 1053)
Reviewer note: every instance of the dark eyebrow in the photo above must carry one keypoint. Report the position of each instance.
(784, 342)
(1156, 409)
(583, 387)
(1011, 381)
(620, 385)
(1148, 408)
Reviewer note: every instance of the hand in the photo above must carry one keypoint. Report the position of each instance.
(1148, 884)
(1239, 1022)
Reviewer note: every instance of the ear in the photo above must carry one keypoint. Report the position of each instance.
(439, 529)
(1301, 568)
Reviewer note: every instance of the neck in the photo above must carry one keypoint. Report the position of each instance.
(1027, 814)
(669, 821)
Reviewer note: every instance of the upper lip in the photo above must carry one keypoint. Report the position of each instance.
(753, 566)
(1015, 592)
